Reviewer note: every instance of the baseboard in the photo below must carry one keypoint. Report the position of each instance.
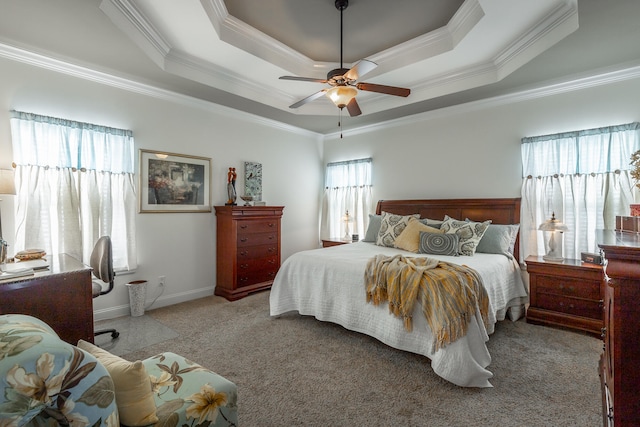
(163, 301)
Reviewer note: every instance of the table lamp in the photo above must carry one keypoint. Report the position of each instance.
(555, 227)
(347, 219)
(7, 186)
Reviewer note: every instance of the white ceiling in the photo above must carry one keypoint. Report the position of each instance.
(232, 53)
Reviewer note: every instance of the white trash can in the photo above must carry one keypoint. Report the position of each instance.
(137, 297)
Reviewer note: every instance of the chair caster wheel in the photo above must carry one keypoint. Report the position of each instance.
(115, 335)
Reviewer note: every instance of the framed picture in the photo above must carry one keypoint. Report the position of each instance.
(172, 182)
(253, 180)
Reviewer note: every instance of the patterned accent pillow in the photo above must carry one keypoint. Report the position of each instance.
(469, 233)
(409, 239)
(439, 243)
(391, 226)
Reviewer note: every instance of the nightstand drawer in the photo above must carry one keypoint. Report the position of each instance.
(567, 294)
(568, 287)
(569, 305)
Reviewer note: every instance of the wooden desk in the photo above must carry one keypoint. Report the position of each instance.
(60, 296)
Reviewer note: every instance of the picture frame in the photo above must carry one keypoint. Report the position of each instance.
(171, 182)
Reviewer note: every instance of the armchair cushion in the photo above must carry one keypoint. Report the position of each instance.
(44, 380)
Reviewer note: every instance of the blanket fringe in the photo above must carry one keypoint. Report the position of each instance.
(448, 293)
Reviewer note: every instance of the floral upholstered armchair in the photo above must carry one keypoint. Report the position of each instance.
(45, 381)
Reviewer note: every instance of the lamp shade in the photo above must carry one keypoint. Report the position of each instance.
(7, 182)
(341, 95)
(553, 224)
(555, 247)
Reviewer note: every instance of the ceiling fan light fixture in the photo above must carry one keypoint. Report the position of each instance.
(341, 95)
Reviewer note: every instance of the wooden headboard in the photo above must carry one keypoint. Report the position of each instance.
(499, 211)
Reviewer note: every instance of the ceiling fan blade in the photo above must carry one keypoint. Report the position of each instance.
(361, 68)
(353, 108)
(389, 90)
(303, 79)
(308, 99)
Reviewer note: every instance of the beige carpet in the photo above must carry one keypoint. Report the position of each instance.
(297, 371)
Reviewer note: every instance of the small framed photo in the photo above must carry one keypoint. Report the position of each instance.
(172, 182)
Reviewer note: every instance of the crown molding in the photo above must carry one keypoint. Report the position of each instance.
(41, 61)
(601, 77)
(595, 78)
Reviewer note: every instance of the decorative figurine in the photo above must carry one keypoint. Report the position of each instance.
(231, 187)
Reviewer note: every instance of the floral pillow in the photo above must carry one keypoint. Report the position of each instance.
(469, 233)
(391, 226)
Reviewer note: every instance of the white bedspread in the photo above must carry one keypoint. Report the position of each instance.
(329, 284)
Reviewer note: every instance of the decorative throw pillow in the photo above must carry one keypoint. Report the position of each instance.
(135, 401)
(499, 239)
(469, 233)
(409, 239)
(435, 223)
(391, 226)
(439, 243)
(374, 227)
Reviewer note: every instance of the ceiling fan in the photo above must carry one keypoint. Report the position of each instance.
(344, 82)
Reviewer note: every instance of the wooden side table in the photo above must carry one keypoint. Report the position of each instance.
(333, 242)
(567, 294)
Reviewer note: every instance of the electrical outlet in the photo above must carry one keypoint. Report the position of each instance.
(161, 281)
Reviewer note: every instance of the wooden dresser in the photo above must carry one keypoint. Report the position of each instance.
(620, 361)
(567, 294)
(248, 249)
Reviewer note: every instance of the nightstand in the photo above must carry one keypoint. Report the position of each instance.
(334, 242)
(567, 294)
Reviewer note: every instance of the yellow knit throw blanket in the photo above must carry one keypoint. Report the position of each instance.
(448, 293)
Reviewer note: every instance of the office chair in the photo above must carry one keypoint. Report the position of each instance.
(102, 264)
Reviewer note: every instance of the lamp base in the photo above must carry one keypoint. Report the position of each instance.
(552, 258)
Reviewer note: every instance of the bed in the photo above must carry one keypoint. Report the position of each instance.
(328, 284)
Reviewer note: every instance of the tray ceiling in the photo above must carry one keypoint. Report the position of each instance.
(433, 47)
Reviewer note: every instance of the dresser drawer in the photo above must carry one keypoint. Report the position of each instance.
(257, 251)
(257, 239)
(568, 287)
(256, 271)
(257, 226)
(570, 305)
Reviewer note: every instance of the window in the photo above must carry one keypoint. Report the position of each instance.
(583, 177)
(74, 183)
(347, 188)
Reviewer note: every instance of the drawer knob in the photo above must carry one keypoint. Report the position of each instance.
(244, 266)
(603, 332)
(244, 253)
(243, 226)
(271, 224)
(243, 239)
(601, 303)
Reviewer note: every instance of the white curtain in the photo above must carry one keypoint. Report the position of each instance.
(75, 183)
(347, 188)
(583, 177)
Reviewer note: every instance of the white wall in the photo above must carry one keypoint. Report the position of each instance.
(473, 150)
(180, 246)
